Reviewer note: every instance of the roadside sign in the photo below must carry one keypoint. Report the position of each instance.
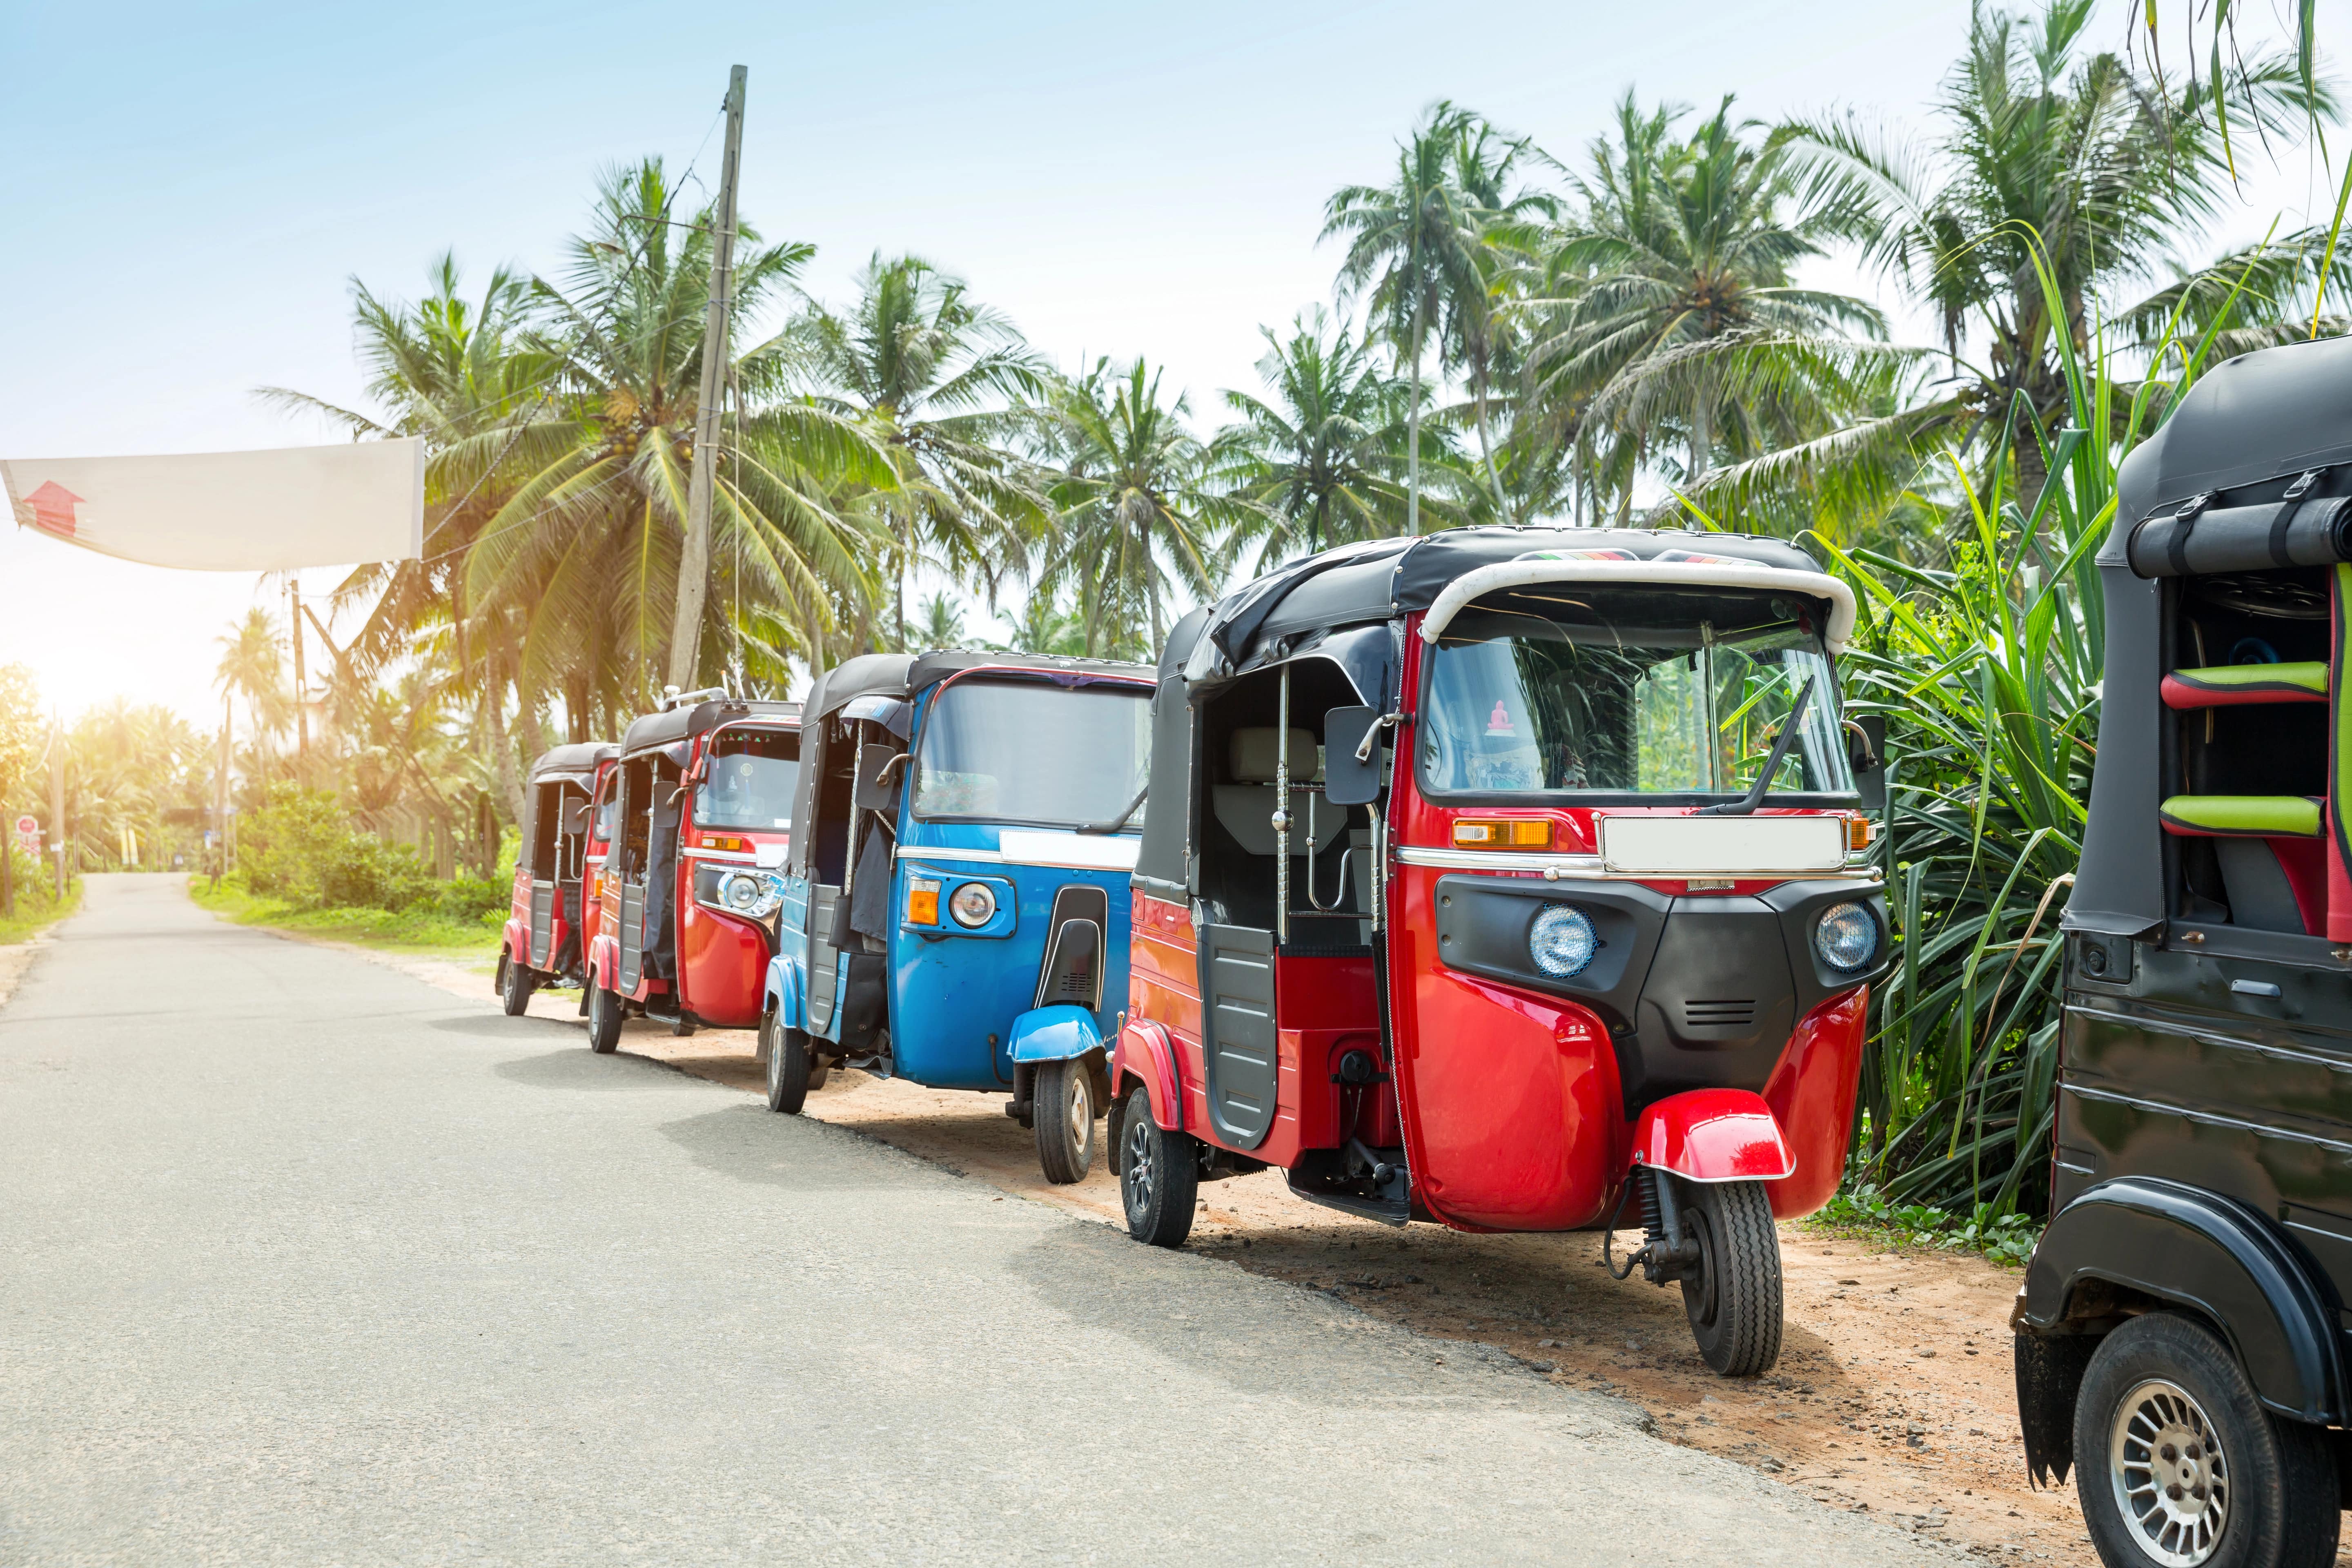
(28, 834)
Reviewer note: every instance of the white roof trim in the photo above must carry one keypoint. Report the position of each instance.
(1700, 575)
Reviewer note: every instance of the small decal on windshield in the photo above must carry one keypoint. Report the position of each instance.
(1498, 722)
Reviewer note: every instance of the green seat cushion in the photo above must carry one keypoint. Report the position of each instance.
(2247, 816)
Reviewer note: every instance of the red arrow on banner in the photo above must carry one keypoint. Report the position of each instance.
(53, 509)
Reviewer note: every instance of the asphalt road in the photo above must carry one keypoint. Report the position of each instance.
(303, 1260)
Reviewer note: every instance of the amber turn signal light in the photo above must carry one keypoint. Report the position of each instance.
(922, 902)
(1503, 833)
(1857, 833)
(739, 846)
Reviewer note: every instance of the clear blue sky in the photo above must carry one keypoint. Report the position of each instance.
(190, 188)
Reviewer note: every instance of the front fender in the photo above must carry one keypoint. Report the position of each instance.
(604, 963)
(1714, 1135)
(783, 989)
(1143, 1052)
(2213, 1255)
(515, 939)
(1062, 1033)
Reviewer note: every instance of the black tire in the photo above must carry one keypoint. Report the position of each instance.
(604, 1020)
(788, 1066)
(1158, 1175)
(515, 987)
(1733, 1298)
(1064, 1094)
(2162, 1377)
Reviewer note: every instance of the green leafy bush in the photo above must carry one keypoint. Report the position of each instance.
(302, 849)
(2004, 1237)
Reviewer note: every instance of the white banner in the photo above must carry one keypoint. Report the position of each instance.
(231, 511)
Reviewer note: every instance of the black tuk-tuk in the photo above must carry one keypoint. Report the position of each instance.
(2181, 1330)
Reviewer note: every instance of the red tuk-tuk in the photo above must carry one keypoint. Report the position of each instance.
(701, 807)
(1511, 878)
(543, 943)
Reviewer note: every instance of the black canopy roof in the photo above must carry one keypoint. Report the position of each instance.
(2248, 426)
(1386, 577)
(577, 763)
(903, 674)
(657, 730)
(2260, 416)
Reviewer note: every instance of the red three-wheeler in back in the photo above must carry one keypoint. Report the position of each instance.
(1511, 878)
(546, 938)
(700, 807)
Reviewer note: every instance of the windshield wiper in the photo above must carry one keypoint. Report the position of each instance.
(1755, 797)
(1116, 823)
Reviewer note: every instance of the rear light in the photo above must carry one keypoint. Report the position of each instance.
(922, 902)
(1503, 833)
(1857, 833)
(713, 841)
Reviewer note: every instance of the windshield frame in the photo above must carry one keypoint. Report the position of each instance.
(707, 755)
(1832, 693)
(1013, 675)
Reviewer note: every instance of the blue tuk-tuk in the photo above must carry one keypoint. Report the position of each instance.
(956, 897)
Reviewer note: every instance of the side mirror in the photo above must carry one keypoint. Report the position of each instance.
(871, 791)
(576, 818)
(1865, 751)
(1347, 779)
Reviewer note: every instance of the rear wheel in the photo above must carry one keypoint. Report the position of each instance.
(1158, 1175)
(788, 1066)
(604, 1019)
(514, 989)
(1733, 1298)
(2178, 1464)
(1063, 1093)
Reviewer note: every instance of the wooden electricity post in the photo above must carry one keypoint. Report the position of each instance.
(694, 564)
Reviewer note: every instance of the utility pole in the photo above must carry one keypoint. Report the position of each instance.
(302, 690)
(694, 564)
(57, 796)
(220, 796)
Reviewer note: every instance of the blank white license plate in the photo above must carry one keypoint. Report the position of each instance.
(1699, 846)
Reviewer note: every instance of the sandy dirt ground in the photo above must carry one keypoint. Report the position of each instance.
(1892, 1394)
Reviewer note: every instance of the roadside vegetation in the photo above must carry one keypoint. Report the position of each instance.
(305, 865)
(1627, 333)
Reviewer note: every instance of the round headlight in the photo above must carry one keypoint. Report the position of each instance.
(741, 891)
(972, 904)
(1562, 941)
(1845, 936)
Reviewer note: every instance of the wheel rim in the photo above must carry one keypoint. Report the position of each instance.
(2171, 1479)
(1079, 1113)
(1139, 1159)
(776, 1059)
(1701, 1291)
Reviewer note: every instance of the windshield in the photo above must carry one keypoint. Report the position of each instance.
(1557, 688)
(748, 783)
(1026, 751)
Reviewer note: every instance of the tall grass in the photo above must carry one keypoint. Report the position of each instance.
(1988, 674)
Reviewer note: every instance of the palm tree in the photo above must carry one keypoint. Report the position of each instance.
(1680, 252)
(251, 668)
(1318, 458)
(586, 543)
(1138, 520)
(941, 624)
(456, 372)
(2051, 159)
(1043, 626)
(1411, 247)
(932, 374)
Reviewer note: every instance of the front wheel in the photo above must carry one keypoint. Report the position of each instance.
(604, 1019)
(2177, 1462)
(514, 987)
(1158, 1175)
(1733, 1297)
(1064, 1094)
(788, 1066)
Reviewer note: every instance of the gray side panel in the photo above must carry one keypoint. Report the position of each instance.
(633, 936)
(1238, 1026)
(2119, 888)
(542, 923)
(823, 973)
